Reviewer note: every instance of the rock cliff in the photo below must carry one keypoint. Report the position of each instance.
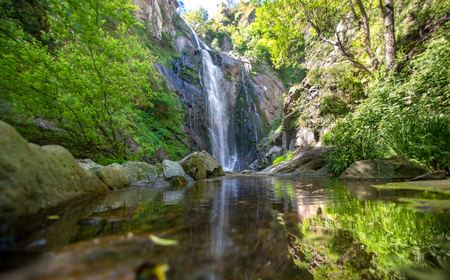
(253, 91)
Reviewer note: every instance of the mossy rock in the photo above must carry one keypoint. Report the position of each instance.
(114, 176)
(142, 172)
(201, 165)
(175, 174)
(384, 170)
(34, 177)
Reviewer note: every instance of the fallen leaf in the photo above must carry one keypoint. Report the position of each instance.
(162, 241)
(53, 217)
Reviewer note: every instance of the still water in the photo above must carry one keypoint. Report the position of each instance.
(236, 227)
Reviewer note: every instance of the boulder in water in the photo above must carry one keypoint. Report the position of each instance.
(114, 176)
(34, 177)
(141, 173)
(383, 169)
(175, 174)
(200, 165)
(308, 161)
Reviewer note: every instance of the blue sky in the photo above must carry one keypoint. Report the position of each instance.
(210, 5)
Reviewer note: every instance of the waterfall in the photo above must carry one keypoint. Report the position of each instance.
(219, 126)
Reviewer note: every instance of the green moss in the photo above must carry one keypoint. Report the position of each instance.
(288, 156)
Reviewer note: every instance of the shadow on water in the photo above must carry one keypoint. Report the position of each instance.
(236, 227)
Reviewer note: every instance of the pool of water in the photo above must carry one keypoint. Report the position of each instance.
(236, 227)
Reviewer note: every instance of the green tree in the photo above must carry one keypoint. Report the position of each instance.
(197, 19)
(94, 82)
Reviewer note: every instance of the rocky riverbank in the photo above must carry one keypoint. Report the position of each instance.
(35, 177)
(312, 161)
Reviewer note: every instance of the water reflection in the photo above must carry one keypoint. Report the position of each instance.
(220, 219)
(372, 239)
(239, 228)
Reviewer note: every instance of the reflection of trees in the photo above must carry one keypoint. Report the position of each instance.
(365, 239)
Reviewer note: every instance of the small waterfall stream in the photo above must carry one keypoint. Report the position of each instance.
(219, 115)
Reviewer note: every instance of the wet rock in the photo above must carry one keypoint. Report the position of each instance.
(383, 169)
(175, 174)
(437, 175)
(200, 165)
(114, 176)
(88, 164)
(266, 155)
(33, 177)
(142, 172)
(309, 161)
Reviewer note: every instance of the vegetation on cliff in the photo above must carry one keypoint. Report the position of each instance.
(83, 72)
(381, 68)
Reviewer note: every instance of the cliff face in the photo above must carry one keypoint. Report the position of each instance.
(158, 15)
(253, 91)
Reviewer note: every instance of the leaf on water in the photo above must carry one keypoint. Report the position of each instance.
(53, 217)
(160, 271)
(152, 271)
(162, 241)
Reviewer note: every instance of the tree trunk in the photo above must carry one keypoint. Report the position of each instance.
(387, 11)
(367, 40)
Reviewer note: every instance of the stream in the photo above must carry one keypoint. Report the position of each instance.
(235, 227)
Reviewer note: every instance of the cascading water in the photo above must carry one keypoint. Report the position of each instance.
(223, 144)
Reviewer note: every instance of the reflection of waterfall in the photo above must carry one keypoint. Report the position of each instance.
(223, 144)
(220, 219)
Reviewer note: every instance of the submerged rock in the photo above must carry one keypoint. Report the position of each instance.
(200, 165)
(309, 161)
(383, 169)
(33, 177)
(114, 176)
(174, 173)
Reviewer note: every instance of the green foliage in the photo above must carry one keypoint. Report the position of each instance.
(197, 18)
(406, 115)
(93, 82)
(333, 105)
(287, 156)
(274, 28)
(422, 138)
(340, 78)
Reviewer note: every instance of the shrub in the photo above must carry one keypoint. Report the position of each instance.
(406, 114)
(333, 105)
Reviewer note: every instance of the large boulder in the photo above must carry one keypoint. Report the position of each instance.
(308, 161)
(114, 176)
(383, 169)
(144, 174)
(175, 174)
(33, 177)
(142, 171)
(200, 165)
